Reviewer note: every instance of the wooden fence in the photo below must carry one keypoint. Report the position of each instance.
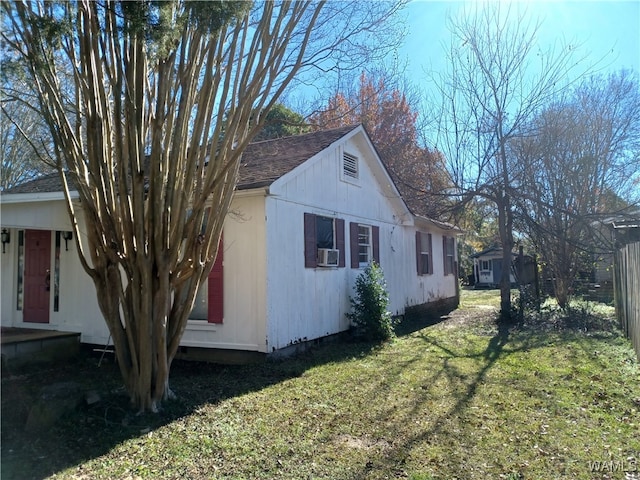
(626, 279)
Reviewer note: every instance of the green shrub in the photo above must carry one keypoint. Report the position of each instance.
(370, 318)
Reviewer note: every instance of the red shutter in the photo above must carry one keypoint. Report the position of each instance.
(375, 233)
(216, 289)
(340, 243)
(310, 241)
(418, 254)
(353, 241)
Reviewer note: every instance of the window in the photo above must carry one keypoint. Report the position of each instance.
(424, 257)
(322, 232)
(365, 244)
(349, 166)
(485, 265)
(200, 310)
(448, 252)
(325, 232)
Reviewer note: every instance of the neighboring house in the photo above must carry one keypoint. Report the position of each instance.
(622, 231)
(487, 268)
(310, 212)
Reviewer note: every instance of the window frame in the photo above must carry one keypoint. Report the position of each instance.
(489, 263)
(424, 267)
(310, 234)
(354, 244)
(20, 272)
(448, 255)
(210, 294)
(368, 246)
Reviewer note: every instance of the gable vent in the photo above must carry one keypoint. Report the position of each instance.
(349, 166)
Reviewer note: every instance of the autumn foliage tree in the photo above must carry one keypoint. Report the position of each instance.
(150, 106)
(391, 121)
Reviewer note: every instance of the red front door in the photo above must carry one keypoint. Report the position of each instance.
(37, 275)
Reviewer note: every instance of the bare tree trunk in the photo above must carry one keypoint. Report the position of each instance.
(562, 290)
(505, 227)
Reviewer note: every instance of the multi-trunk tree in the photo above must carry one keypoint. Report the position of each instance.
(497, 80)
(150, 105)
(579, 169)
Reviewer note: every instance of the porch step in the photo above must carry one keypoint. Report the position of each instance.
(20, 346)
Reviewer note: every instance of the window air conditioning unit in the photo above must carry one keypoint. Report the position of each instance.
(328, 257)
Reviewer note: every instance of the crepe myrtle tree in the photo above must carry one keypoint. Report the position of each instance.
(150, 105)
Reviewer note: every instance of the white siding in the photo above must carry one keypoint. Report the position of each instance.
(244, 270)
(78, 307)
(406, 287)
(271, 300)
(244, 277)
(306, 303)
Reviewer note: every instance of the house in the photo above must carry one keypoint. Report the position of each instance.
(487, 268)
(619, 232)
(622, 231)
(310, 212)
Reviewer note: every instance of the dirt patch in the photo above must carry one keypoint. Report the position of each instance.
(475, 315)
(362, 443)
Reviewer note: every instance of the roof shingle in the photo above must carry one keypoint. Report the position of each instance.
(262, 162)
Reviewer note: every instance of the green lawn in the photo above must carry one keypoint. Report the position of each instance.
(458, 399)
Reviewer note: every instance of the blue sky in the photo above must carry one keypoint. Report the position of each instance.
(609, 29)
(608, 33)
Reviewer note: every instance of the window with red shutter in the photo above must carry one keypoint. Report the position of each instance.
(209, 303)
(323, 232)
(448, 253)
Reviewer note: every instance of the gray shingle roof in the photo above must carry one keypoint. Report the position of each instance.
(44, 184)
(262, 162)
(266, 161)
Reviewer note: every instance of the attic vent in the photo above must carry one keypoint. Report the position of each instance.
(349, 166)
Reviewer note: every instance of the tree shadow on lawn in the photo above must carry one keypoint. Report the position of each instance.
(464, 391)
(413, 323)
(91, 431)
(506, 340)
